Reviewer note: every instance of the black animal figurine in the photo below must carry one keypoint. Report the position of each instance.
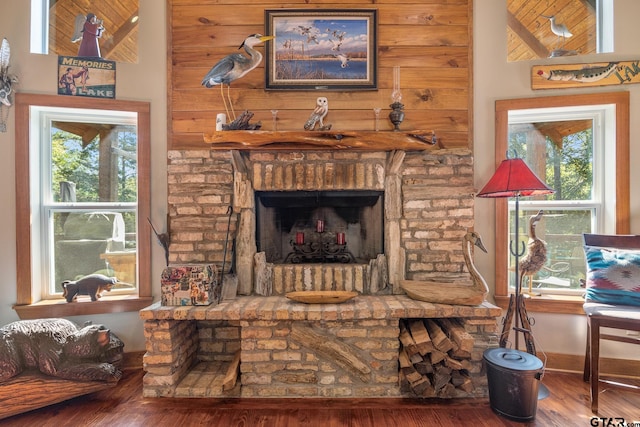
(57, 347)
(92, 285)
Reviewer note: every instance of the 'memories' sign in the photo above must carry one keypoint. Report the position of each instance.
(92, 77)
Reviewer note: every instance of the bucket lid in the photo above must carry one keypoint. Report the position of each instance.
(513, 359)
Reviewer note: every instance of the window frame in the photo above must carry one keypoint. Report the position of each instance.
(43, 119)
(559, 303)
(29, 304)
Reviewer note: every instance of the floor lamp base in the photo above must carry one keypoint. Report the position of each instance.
(518, 310)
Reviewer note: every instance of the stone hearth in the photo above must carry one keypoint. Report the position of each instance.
(190, 348)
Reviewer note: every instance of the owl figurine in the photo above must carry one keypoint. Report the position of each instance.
(318, 115)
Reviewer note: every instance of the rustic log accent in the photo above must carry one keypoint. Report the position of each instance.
(263, 274)
(456, 332)
(243, 196)
(332, 349)
(438, 337)
(462, 380)
(242, 123)
(30, 391)
(379, 274)
(442, 292)
(231, 377)
(403, 359)
(313, 140)
(393, 211)
(407, 341)
(421, 336)
(435, 357)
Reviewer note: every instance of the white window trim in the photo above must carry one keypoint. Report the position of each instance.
(604, 186)
(42, 204)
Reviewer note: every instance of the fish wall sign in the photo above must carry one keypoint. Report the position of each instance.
(585, 75)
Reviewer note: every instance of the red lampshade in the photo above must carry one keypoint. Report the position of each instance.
(514, 178)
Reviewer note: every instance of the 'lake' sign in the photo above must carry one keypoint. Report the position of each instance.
(92, 77)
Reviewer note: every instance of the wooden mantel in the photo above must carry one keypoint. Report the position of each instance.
(416, 140)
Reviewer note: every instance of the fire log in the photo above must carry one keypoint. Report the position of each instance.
(435, 357)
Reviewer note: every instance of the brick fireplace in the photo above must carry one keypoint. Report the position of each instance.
(427, 207)
(407, 212)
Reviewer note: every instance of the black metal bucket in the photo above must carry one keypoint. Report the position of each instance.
(513, 378)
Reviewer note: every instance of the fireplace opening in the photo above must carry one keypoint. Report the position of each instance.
(320, 226)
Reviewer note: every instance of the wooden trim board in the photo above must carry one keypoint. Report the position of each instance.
(585, 75)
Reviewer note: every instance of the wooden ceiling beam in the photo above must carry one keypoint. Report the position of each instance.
(525, 35)
(120, 35)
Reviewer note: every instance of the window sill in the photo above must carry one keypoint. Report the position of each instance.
(61, 308)
(563, 304)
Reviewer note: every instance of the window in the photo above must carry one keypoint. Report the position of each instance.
(579, 146)
(55, 25)
(85, 181)
(542, 29)
(82, 201)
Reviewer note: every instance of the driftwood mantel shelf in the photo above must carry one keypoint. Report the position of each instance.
(416, 140)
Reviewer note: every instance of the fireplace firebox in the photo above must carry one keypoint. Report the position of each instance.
(320, 226)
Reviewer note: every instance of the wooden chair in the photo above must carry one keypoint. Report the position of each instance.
(600, 315)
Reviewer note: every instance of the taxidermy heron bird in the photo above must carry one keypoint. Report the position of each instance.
(234, 66)
(536, 255)
(559, 30)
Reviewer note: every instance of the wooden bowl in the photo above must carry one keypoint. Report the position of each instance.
(321, 297)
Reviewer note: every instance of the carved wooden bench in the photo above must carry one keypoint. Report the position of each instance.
(33, 390)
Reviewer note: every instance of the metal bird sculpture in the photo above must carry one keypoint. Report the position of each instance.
(164, 239)
(318, 114)
(234, 66)
(559, 30)
(536, 255)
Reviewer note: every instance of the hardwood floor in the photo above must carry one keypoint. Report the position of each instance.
(567, 405)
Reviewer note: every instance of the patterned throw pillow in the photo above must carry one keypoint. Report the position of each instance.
(613, 275)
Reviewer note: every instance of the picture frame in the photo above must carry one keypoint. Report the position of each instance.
(321, 49)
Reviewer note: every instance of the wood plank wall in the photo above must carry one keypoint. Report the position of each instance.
(430, 39)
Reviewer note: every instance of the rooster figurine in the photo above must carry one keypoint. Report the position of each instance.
(536, 255)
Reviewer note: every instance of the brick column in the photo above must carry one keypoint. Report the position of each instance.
(171, 349)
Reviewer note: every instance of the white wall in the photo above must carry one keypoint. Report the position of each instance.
(144, 81)
(495, 78)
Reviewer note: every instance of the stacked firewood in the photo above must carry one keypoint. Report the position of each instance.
(435, 357)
